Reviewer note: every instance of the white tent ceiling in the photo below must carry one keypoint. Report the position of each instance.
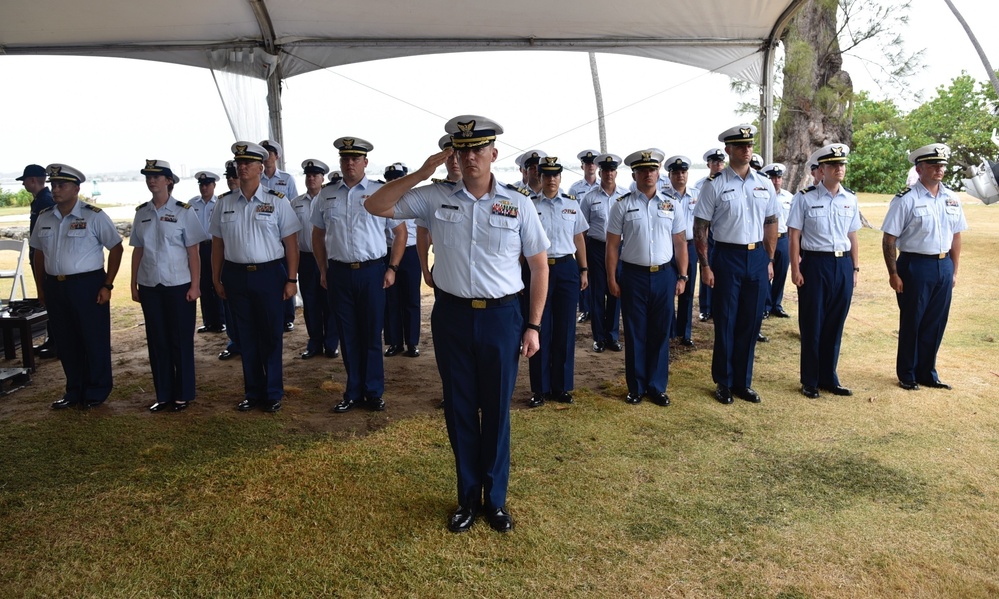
(275, 39)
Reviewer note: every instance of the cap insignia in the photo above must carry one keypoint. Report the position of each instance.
(466, 128)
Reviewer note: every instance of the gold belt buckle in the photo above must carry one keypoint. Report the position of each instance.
(60, 277)
(751, 246)
(355, 265)
(654, 268)
(251, 268)
(478, 303)
(551, 261)
(942, 256)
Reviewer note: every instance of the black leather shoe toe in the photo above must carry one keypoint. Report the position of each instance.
(161, 406)
(660, 399)
(333, 353)
(809, 392)
(564, 397)
(780, 313)
(289, 327)
(839, 390)
(311, 353)
(633, 398)
(412, 352)
(937, 384)
(500, 520)
(462, 519)
(345, 405)
(760, 337)
(908, 385)
(246, 405)
(537, 400)
(375, 404)
(614, 346)
(598, 347)
(227, 354)
(180, 406)
(393, 350)
(62, 404)
(747, 394)
(273, 407)
(723, 394)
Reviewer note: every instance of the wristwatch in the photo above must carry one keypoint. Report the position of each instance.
(108, 286)
(393, 267)
(583, 269)
(291, 280)
(534, 327)
(684, 278)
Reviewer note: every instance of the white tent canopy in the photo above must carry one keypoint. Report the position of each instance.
(275, 39)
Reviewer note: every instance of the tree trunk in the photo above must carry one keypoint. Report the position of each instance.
(600, 102)
(978, 47)
(816, 102)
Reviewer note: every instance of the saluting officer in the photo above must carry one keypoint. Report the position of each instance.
(480, 229)
(166, 280)
(651, 224)
(423, 240)
(253, 234)
(402, 300)
(351, 242)
(203, 205)
(825, 260)
(924, 225)
(683, 319)
(319, 322)
(739, 206)
(69, 242)
(775, 299)
(553, 367)
(605, 316)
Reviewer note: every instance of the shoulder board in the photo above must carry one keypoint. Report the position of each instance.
(141, 206)
(808, 189)
(443, 181)
(520, 190)
(275, 193)
(850, 190)
(228, 193)
(183, 205)
(91, 207)
(379, 181)
(49, 209)
(569, 196)
(903, 192)
(712, 177)
(627, 195)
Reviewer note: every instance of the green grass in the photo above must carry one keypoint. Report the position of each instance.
(886, 493)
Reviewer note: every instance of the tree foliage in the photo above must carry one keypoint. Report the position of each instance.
(20, 197)
(877, 159)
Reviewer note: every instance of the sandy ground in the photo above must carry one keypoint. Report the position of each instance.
(312, 387)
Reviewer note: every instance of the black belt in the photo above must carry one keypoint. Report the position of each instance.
(560, 259)
(839, 254)
(781, 235)
(474, 302)
(934, 256)
(254, 267)
(595, 240)
(357, 265)
(78, 275)
(740, 246)
(640, 268)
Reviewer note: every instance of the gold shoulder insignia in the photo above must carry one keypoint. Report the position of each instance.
(712, 177)
(141, 206)
(850, 190)
(443, 181)
(184, 205)
(808, 189)
(903, 192)
(518, 189)
(627, 195)
(228, 193)
(49, 209)
(275, 193)
(569, 196)
(91, 207)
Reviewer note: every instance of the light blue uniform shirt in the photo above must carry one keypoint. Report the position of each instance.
(477, 241)
(595, 207)
(204, 210)
(924, 224)
(410, 233)
(737, 207)
(561, 219)
(825, 219)
(253, 229)
(352, 233)
(646, 227)
(581, 188)
(784, 200)
(281, 182)
(303, 206)
(164, 236)
(688, 201)
(74, 243)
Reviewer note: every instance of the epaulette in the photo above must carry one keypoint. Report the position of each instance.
(91, 207)
(379, 181)
(903, 192)
(275, 193)
(228, 193)
(44, 210)
(807, 189)
(712, 177)
(627, 195)
(569, 196)
(518, 189)
(184, 205)
(443, 181)
(141, 206)
(850, 190)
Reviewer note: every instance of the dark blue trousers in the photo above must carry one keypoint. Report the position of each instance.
(823, 303)
(316, 310)
(704, 293)
(683, 319)
(402, 301)
(605, 312)
(257, 306)
(211, 305)
(782, 260)
(477, 355)
(358, 302)
(552, 367)
(924, 306)
(231, 330)
(647, 307)
(289, 304)
(170, 337)
(741, 286)
(81, 330)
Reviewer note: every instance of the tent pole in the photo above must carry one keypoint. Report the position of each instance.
(767, 104)
(274, 108)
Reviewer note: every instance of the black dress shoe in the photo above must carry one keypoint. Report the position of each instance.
(839, 390)
(500, 520)
(393, 350)
(660, 399)
(180, 406)
(583, 317)
(564, 397)
(747, 394)
(766, 314)
(345, 405)
(705, 316)
(246, 405)
(810, 392)
(226, 354)
(687, 342)
(204, 329)
(333, 353)
(936, 384)
(633, 398)
(537, 400)
(908, 385)
(46, 352)
(273, 407)
(462, 519)
(63, 403)
(161, 406)
(598, 346)
(311, 353)
(289, 327)
(780, 313)
(761, 338)
(412, 352)
(723, 394)
(375, 404)
(614, 346)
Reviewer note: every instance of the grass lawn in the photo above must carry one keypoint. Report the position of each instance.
(887, 493)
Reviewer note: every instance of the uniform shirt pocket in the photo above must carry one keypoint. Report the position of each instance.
(504, 234)
(447, 229)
